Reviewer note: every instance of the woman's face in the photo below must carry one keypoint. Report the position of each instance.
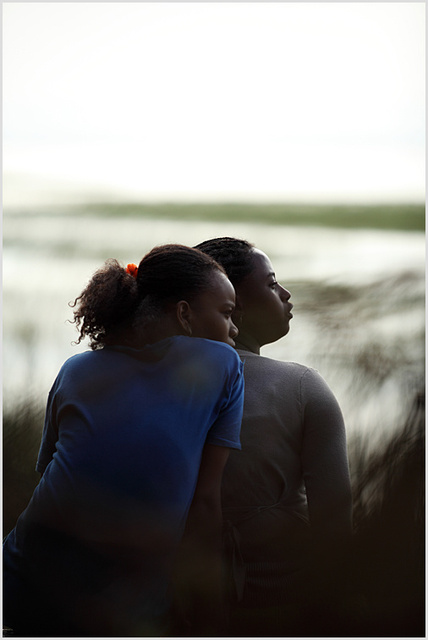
(211, 311)
(264, 304)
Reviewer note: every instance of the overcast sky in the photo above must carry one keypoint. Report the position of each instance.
(277, 100)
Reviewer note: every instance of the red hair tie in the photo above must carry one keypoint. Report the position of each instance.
(132, 269)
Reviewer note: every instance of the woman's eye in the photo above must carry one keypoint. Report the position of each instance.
(273, 284)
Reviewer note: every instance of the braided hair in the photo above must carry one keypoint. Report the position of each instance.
(115, 303)
(235, 256)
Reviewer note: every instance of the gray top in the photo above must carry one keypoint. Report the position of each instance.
(293, 467)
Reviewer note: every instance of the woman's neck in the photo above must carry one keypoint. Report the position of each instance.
(247, 343)
(152, 332)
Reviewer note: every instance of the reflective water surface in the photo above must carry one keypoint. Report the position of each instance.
(358, 301)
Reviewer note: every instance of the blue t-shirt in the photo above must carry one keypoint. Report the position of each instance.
(120, 455)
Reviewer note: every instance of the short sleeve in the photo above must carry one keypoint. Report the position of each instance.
(225, 432)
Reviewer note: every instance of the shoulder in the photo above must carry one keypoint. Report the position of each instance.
(278, 368)
(284, 377)
(81, 370)
(209, 351)
(81, 362)
(77, 362)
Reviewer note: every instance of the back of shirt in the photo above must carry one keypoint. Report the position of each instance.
(293, 468)
(131, 427)
(120, 455)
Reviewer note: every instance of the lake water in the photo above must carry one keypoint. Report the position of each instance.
(358, 301)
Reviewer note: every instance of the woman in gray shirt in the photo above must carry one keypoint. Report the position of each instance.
(286, 497)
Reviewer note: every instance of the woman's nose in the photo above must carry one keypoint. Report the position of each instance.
(233, 332)
(285, 294)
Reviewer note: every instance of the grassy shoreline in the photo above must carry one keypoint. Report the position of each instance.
(400, 217)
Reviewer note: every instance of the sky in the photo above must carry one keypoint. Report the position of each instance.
(273, 101)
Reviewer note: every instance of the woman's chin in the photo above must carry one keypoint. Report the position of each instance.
(285, 330)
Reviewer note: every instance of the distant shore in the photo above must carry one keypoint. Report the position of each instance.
(399, 217)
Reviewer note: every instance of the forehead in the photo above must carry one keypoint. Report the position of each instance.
(221, 287)
(262, 266)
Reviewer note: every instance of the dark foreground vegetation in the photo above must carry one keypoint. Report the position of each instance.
(388, 563)
(377, 590)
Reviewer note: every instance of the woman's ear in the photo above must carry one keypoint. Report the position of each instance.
(184, 313)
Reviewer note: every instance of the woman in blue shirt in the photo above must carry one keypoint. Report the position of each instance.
(136, 436)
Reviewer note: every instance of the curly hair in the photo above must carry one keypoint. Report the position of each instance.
(235, 256)
(114, 302)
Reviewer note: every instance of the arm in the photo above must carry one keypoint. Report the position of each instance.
(198, 579)
(328, 488)
(332, 585)
(324, 460)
